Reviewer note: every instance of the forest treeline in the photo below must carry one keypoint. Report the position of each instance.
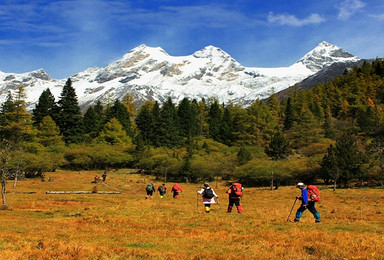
(333, 132)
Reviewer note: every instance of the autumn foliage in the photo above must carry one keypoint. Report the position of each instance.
(127, 226)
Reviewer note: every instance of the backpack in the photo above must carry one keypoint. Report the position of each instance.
(313, 193)
(149, 187)
(208, 193)
(236, 189)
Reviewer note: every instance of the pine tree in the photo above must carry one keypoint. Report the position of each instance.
(243, 156)
(49, 133)
(330, 167)
(15, 121)
(227, 127)
(215, 121)
(46, 106)
(279, 148)
(69, 117)
(188, 120)
(120, 112)
(350, 159)
(113, 133)
(145, 122)
(168, 133)
(289, 114)
(91, 122)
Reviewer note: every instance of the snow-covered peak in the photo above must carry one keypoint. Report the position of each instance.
(323, 55)
(211, 52)
(40, 74)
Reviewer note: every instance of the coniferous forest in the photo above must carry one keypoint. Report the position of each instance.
(332, 133)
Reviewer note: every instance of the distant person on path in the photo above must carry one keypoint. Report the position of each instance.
(235, 193)
(162, 190)
(309, 196)
(104, 175)
(208, 195)
(149, 189)
(97, 178)
(176, 189)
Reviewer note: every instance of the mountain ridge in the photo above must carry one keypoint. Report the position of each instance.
(150, 73)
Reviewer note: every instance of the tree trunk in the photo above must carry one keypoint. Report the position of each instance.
(3, 192)
(15, 182)
(334, 185)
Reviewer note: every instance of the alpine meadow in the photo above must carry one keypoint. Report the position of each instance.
(331, 135)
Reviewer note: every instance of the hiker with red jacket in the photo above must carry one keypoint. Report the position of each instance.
(235, 192)
(208, 195)
(309, 196)
(176, 189)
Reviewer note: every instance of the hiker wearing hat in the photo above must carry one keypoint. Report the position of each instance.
(208, 195)
(307, 202)
(235, 193)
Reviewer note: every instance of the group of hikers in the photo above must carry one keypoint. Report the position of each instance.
(162, 189)
(309, 196)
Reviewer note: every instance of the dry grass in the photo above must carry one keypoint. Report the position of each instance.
(126, 226)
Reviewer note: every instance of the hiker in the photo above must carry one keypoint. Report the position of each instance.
(208, 195)
(97, 178)
(308, 197)
(162, 190)
(235, 193)
(104, 175)
(176, 189)
(149, 189)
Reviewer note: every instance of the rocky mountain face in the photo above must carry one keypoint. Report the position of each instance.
(148, 73)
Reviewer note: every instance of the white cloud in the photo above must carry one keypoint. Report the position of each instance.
(348, 8)
(287, 19)
(379, 17)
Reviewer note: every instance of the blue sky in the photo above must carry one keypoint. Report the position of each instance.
(69, 36)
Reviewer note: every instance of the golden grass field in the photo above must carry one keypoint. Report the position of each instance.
(126, 226)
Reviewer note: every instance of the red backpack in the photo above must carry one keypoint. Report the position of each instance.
(313, 193)
(236, 189)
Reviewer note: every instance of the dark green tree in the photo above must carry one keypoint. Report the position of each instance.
(289, 115)
(243, 156)
(145, 123)
(227, 127)
(69, 117)
(279, 147)
(330, 167)
(91, 122)
(120, 112)
(46, 106)
(215, 121)
(168, 129)
(187, 118)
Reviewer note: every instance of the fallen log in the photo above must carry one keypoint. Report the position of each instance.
(24, 192)
(83, 192)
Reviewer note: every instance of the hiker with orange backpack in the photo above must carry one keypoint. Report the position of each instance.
(235, 193)
(208, 195)
(176, 189)
(309, 196)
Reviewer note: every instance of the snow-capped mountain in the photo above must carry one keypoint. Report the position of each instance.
(149, 73)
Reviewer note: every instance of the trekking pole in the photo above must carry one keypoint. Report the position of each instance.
(291, 209)
(197, 202)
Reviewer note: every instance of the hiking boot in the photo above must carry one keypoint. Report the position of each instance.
(296, 220)
(317, 221)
